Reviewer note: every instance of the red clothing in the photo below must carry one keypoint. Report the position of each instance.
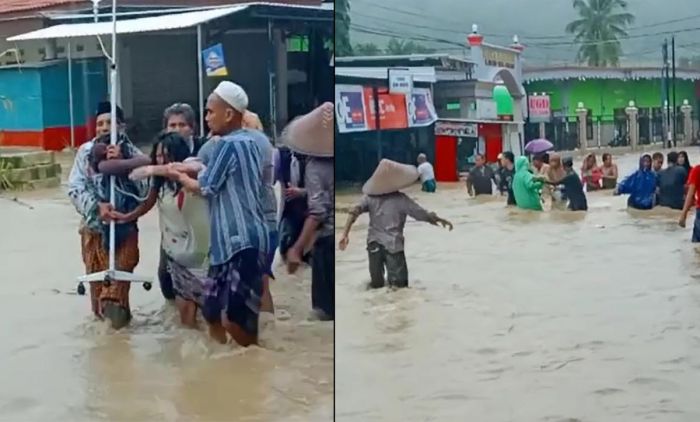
(693, 179)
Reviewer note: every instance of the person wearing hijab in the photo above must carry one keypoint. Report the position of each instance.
(526, 186)
(233, 185)
(388, 209)
(573, 187)
(640, 186)
(684, 161)
(591, 174)
(88, 190)
(554, 172)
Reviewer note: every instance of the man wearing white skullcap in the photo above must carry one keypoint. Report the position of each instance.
(233, 185)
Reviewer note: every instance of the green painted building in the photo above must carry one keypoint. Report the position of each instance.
(606, 92)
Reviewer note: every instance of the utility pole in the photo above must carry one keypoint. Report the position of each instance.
(673, 85)
(667, 89)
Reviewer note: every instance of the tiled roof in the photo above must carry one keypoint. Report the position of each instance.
(9, 6)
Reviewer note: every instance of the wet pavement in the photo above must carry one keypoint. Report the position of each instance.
(523, 316)
(58, 363)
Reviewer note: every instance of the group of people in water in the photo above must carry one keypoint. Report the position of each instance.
(220, 222)
(527, 183)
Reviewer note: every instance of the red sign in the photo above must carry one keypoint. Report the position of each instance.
(540, 109)
(392, 110)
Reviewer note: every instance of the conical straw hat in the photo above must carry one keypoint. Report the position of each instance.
(312, 134)
(390, 176)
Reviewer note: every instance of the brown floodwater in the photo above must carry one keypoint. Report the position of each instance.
(58, 363)
(523, 316)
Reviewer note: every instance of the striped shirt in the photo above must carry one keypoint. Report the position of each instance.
(233, 186)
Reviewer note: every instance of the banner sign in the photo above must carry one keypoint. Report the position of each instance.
(354, 109)
(539, 108)
(421, 111)
(214, 61)
(459, 129)
(392, 110)
(350, 110)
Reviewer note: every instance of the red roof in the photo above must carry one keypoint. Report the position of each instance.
(8, 6)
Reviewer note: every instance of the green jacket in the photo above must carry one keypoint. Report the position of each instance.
(526, 188)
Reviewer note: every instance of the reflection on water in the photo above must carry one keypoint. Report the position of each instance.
(524, 316)
(57, 363)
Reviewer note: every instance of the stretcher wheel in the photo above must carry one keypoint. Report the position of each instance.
(147, 286)
(81, 289)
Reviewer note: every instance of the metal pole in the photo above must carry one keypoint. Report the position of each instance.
(70, 95)
(200, 80)
(667, 96)
(375, 95)
(673, 85)
(272, 79)
(113, 130)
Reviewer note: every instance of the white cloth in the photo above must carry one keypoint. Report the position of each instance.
(426, 172)
(233, 94)
(184, 227)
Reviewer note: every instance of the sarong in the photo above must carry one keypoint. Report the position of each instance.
(429, 186)
(186, 284)
(235, 288)
(96, 259)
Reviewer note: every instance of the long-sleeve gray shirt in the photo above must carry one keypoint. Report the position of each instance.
(387, 218)
(320, 190)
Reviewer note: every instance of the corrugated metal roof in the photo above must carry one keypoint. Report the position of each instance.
(8, 6)
(131, 26)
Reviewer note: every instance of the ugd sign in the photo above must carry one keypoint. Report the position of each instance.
(539, 108)
(400, 81)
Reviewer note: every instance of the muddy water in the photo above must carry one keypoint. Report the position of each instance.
(57, 363)
(518, 316)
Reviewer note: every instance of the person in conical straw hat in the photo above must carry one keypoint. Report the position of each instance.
(312, 136)
(388, 209)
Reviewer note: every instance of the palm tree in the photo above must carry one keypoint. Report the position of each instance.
(342, 28)
(598, 31)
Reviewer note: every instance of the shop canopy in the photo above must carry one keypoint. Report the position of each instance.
(173, 20)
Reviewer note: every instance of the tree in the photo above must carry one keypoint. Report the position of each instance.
(342, 28)
(366, 49)
(397, 47)
(598, 30)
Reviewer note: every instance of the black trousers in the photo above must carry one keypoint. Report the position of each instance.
(394, 263)
(323, 275)
(166, 282)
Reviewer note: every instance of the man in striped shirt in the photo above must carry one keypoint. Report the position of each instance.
(233, 186)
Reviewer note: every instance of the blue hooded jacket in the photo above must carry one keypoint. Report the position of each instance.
(640, 186)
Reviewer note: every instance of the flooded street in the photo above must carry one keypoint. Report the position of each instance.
(57, 363)
(520, 316)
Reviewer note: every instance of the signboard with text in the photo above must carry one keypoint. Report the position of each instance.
(497, 57)
(421, 111)
(539, 108)
(214, 62)
(400, 81)
(350, 111)
(458, 129)
(392, 110)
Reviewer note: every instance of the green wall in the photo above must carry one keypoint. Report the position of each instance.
(603, 96)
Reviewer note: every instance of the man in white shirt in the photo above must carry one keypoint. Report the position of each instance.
(427, 174)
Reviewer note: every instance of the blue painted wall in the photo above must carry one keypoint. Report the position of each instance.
(89, 87)
(36, 98)
(20, 100)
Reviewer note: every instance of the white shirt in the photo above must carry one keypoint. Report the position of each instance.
(426, 172)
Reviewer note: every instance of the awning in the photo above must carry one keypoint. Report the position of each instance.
(150, 24)
(420, 74)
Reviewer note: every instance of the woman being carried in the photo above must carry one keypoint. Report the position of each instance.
(184, 223)
(591, 174)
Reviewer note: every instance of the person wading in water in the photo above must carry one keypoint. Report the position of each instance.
(88, 190)
(232, 183)
(388, 209)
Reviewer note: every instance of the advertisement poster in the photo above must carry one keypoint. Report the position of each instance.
(539, 108)
(350, 109)
(214, 61)
(392, 110)
(421, 111)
